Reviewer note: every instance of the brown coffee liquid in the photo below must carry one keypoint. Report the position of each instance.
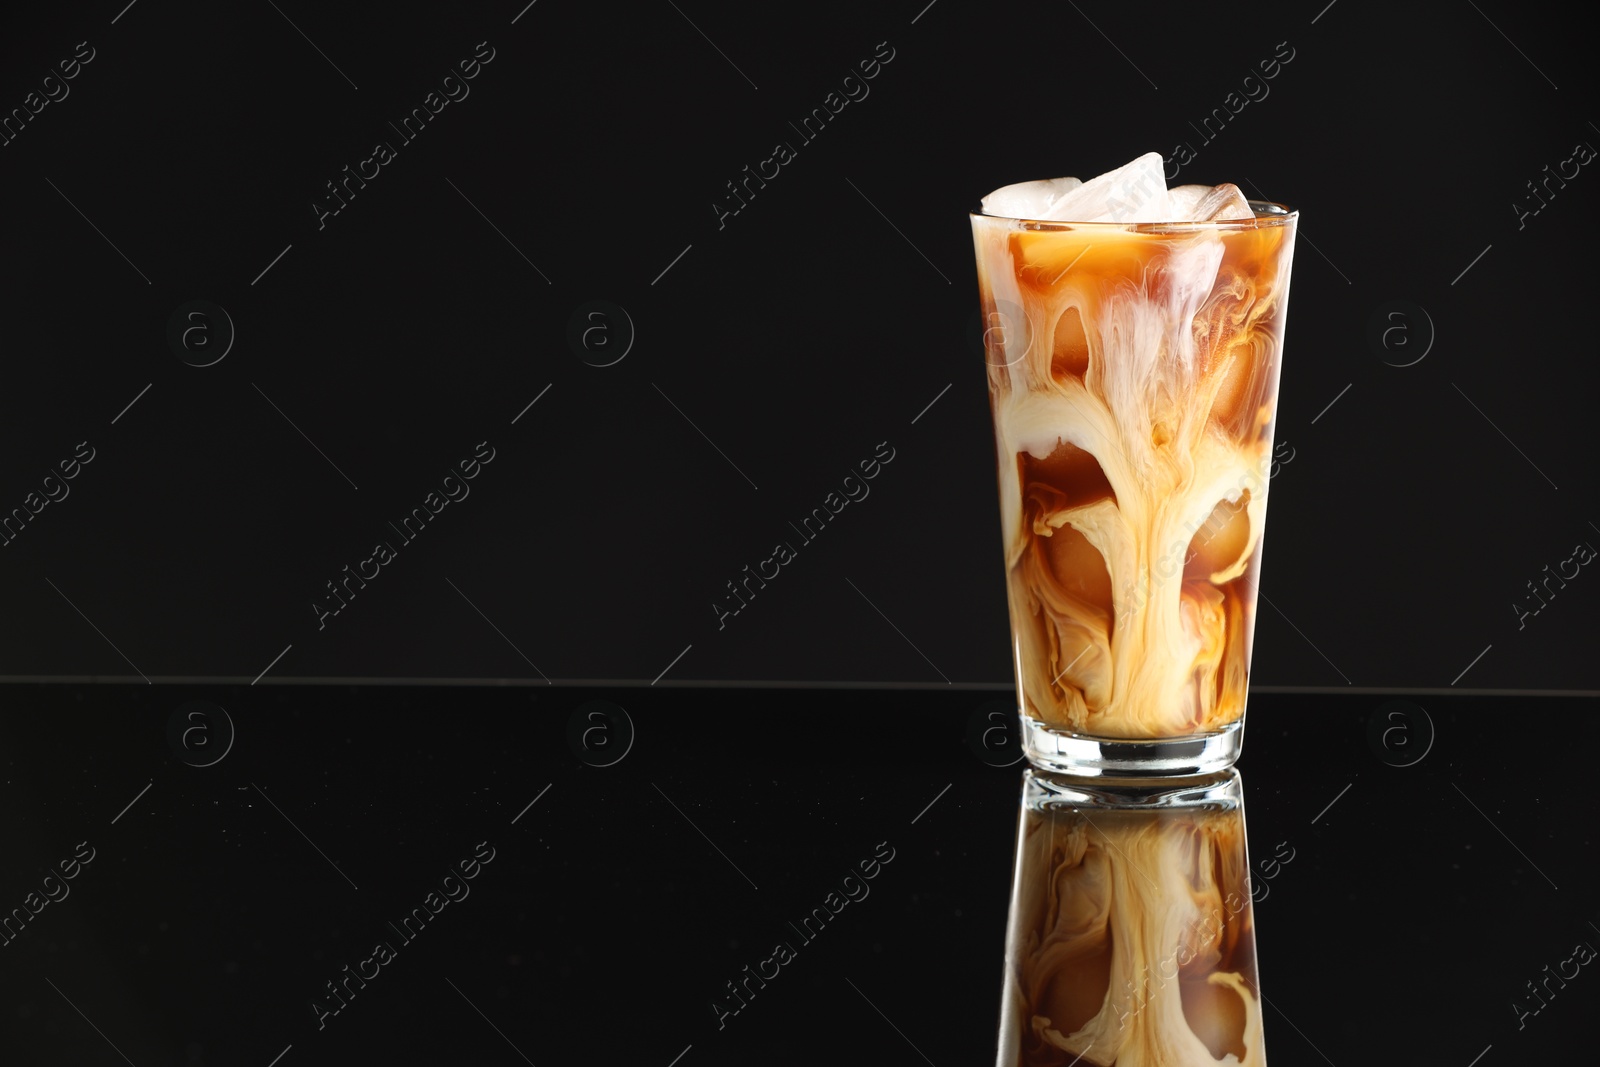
(1133, 377)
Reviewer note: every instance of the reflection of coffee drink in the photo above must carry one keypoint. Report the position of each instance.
(1132, 936)
(1133, 377)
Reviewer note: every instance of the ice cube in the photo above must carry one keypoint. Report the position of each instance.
(1134, 192)
(1183, 199)
(1028, 200)
(1208, 203)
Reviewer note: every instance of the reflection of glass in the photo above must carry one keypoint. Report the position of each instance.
(1133, 377)
(1131, 939)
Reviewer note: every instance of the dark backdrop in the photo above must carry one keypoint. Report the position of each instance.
(771, 349)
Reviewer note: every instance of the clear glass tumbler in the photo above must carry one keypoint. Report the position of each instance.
(1133, 380)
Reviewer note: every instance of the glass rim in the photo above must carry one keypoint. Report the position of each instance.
(1268, 213)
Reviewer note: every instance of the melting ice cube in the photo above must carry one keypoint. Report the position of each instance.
(1134, 192)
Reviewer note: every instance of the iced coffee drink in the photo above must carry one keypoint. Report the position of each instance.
(1132, 335)
(1131, 939)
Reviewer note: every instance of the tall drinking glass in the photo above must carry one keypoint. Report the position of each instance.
(1133, 380)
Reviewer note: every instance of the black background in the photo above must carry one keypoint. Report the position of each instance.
(824, 318)
(796, 337)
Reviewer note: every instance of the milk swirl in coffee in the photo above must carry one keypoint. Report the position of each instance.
(1132, 336)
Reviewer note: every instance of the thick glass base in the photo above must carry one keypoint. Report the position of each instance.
(1146, 798)
(1104, 757)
